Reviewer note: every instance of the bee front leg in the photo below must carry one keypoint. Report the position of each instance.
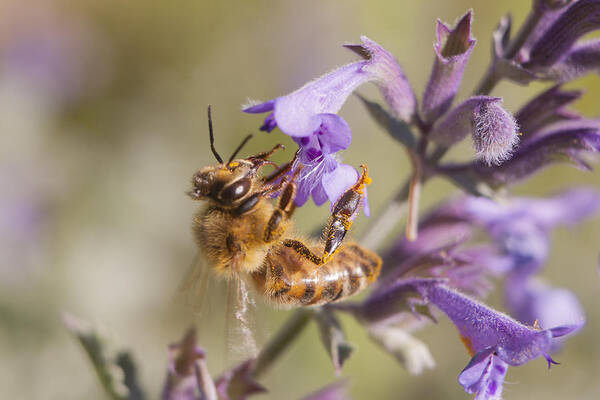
(284, 210)
(344, 211)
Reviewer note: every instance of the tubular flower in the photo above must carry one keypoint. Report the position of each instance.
(309, 116)
(452, 50)
(493, 339)
(493, 129)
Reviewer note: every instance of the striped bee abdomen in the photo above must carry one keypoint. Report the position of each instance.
(288, 278)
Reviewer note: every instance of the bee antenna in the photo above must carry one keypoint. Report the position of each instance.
(235, 153)
(212, 137)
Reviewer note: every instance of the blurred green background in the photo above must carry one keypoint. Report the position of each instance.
(102, 121)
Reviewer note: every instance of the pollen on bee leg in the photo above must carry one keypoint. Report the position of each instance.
(364, 180)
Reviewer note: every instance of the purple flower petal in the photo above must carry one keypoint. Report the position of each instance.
(333, 134)
(532, 300)
(453, 49)
(580, 18)
(567, 208)
(457, 124)
(388, 75)
(334, 391)
(238, 382)
(581, 59)
(336, 182)
(501, 36)
(545, 109)
(295, 113)
(493, 129)
(566, 145)
(188, 377)
(483, 328)
(315, 166)
(495, 133)
(484, 376)
(260, 108)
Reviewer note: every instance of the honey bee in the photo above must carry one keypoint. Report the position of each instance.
(243, 234)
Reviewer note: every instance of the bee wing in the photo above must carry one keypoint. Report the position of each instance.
(193, 288)
(215, 302)
(240, 324)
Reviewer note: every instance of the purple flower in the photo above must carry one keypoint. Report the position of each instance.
(521, 227)
(484, 376)
(334, 391)
(452, 49)
(300, 114)
(578, 19)
(322, 176)
(238, 382)
(547, 108)
(581, 59)
(308, 115)
(493, 129)
(494, 339)
(389, 77)
(187, 376)
(570, 143)
(532, 301)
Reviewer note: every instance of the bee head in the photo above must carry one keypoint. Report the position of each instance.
(227, 182)
(223, 183)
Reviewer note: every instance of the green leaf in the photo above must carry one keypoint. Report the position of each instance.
(116, 370)
(397, 128)
(333, 338)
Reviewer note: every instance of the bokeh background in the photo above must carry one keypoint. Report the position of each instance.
(102, 124)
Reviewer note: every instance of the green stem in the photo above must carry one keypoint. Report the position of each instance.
(290, 330)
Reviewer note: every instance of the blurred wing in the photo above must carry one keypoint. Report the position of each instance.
(229, 304)
(193, 288)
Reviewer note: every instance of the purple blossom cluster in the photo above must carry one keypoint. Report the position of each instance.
(450, 261)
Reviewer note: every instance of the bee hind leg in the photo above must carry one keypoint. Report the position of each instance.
(344, 211)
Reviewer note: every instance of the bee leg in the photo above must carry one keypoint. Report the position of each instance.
(285, 209)
(281, 171)
(261, 158)
(304, 251)
(344, 211)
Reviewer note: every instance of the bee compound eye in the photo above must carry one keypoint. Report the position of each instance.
(235, 191)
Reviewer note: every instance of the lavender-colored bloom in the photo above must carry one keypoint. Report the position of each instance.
(481, 327)
(502, 66)
(334, 391)
(547, 108)
(187, 376)
(308, 115)
(322, 176)
(581, 59)
(571, 144)
(389, 77)
(484, 376)
(452, 49)
(522, 227)
(501, 37)
(545, 13)
(495, 133)
(486, 332)
(532, 301)
(299, 114)
(578, 19)
(493, 129)
(238, 382)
